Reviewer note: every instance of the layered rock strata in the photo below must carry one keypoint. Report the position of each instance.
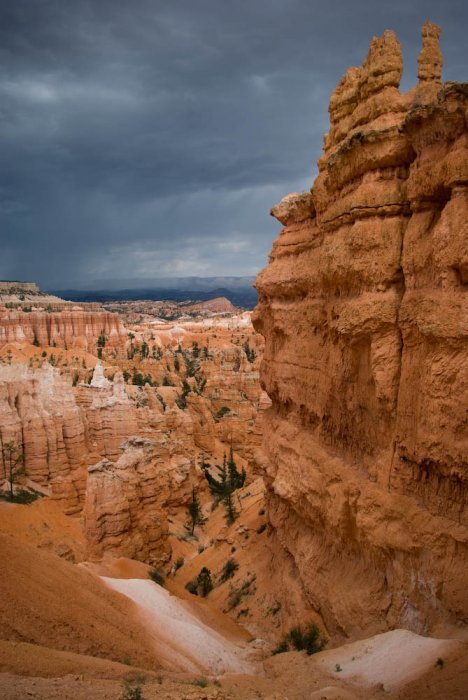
(363, 309)
(127, 501)
(67, 328)
(39, 413)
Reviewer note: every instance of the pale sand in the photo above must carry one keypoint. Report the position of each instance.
(392, 659)
(181, 638)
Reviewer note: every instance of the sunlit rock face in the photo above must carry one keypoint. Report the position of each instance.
(119, 455)
(67, 328)
(363, 310)
(127, 501)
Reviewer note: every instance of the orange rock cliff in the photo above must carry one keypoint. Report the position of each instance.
(363, 310)
(118, 440)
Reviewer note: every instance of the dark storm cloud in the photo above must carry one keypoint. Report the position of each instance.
(150, 138)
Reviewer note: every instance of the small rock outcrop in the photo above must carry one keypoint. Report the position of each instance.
(126, 503)
(363, 309)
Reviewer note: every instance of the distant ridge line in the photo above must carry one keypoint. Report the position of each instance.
(243, 298)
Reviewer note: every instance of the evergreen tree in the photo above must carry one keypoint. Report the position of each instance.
(203, 465)
(195, 512)
(222, 487)
(218, 486)
(236, 478)
(204, 582)
(231, 512)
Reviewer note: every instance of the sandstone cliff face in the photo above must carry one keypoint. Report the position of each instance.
(38, 411)
(63, 430)
(66, 426)
(124, 510)
(363, 309)
(68, 328)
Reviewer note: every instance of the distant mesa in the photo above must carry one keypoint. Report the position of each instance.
(16, 293)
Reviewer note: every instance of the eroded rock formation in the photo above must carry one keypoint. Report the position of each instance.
(194, 391)
(66, 328)
(363, 309)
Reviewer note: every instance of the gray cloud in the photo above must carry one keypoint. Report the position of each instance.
(151, 138)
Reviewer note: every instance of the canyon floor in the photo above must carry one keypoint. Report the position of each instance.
(96, 629)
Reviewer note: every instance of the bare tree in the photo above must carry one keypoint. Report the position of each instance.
(13, 463)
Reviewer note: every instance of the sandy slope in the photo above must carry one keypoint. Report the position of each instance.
(392, 659)
(44, 525)
(51, 602)
(180, 637)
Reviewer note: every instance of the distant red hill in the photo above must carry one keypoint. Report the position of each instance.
(218, 305)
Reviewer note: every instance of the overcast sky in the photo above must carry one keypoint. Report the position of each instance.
(150, 138)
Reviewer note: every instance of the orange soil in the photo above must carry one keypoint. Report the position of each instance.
(50, 602)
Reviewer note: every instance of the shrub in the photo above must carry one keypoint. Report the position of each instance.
(249, 352)
(222, 412)
(236, 594)
(308, 640)
(281, 648)
(228, 570)
(132, 693)
(261, 529)
(205, 584)
(201, 682)
(179, 563)
(138, 379)
(157, 576)
(192, 586)
(22, 496)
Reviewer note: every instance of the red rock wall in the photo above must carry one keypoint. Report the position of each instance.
(363, 309)
(65, 329)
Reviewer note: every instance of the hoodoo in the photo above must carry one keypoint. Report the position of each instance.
(363, 310)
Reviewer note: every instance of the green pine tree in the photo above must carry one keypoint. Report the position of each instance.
(204, 582)
(195, 512)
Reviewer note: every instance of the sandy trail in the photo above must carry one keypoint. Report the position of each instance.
(180, 637)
